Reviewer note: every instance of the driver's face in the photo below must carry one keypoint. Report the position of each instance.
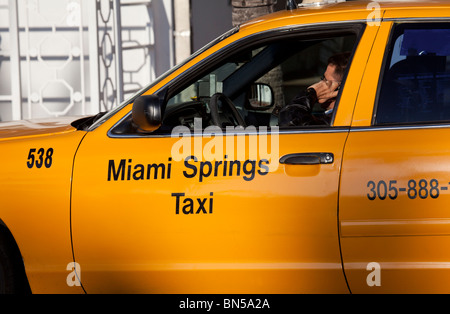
(330, 76)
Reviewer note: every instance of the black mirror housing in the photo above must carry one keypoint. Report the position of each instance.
(147, 113)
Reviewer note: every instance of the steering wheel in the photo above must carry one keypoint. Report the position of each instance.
(214, 107)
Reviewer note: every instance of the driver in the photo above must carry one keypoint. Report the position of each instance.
(299, 111)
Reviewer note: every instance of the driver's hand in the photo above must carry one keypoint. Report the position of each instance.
(325, 90)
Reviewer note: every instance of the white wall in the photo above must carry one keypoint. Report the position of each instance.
(63, 53)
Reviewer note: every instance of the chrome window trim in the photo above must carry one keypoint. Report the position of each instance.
(378, 128)
(417, 19)
(240, 133)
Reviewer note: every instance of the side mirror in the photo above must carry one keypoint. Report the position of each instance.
(147, 113)
(260, 97)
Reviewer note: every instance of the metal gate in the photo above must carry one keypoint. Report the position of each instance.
(76, 57)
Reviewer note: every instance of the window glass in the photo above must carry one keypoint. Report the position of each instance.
(255, 84)
(416, 82)
(258, 82)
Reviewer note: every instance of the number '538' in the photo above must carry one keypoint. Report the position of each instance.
(40, 157)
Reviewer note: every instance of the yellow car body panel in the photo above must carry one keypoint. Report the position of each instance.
(73, 196)
(406, 234)
(34, 128)
(362, 115)
(35, 203)
(247, 241)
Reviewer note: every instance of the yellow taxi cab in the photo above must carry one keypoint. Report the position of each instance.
(195, 186)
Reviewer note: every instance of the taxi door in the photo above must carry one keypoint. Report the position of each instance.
(394, 195)
(144, 221)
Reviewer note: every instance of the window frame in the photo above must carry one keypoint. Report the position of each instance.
(201, 68)
(389, 49)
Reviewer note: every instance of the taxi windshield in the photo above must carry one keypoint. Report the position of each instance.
(106, 115)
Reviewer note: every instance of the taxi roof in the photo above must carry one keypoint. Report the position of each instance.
(353, 10)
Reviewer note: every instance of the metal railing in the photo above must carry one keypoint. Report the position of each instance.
(75, 57)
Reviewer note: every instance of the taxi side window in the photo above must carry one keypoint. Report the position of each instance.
(257, 81)
(415, 86)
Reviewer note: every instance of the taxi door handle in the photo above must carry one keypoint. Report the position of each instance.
(307, 159)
